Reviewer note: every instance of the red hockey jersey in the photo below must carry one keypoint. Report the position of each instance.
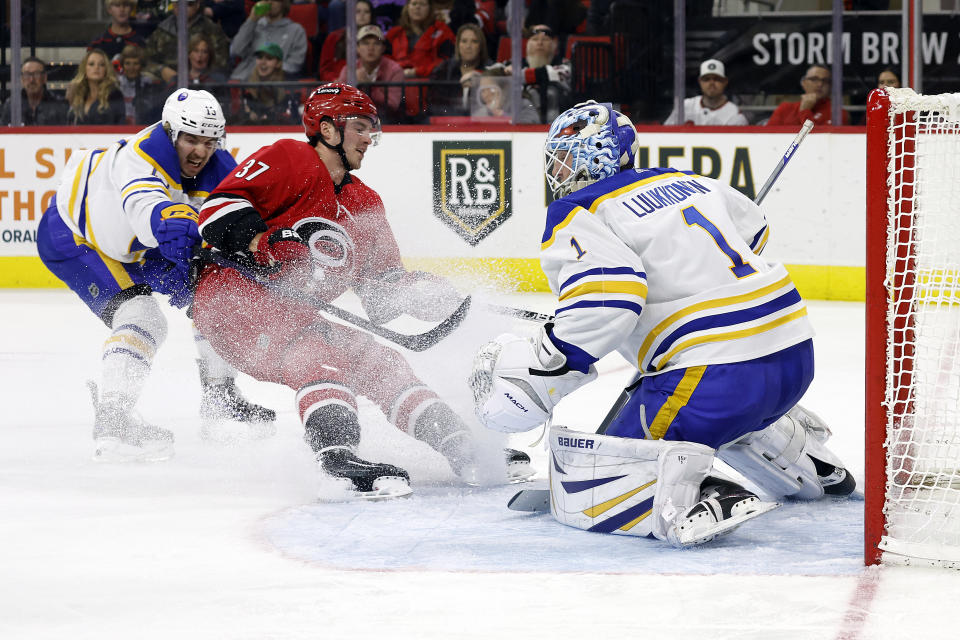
(287, 185)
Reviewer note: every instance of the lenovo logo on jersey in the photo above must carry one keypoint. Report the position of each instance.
(516, 404)
(471, 186)
(575, 443)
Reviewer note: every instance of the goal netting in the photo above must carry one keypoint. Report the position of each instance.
(913, 329)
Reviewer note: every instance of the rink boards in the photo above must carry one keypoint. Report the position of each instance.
(472, 204)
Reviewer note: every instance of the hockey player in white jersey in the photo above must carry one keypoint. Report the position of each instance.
(123, 224)
(662, 266)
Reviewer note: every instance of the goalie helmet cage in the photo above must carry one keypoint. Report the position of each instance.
(912, 384)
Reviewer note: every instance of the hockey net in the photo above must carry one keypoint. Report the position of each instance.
(913, 329)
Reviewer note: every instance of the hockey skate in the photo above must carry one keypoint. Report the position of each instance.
(835, 479)
(227, 417)
(120, 435)
(723, 507)
(344, 477)
(458, 450)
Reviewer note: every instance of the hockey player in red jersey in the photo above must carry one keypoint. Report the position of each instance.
(295, 207)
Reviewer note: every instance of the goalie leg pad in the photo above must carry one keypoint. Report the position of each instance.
(623, 486)
(783, 458)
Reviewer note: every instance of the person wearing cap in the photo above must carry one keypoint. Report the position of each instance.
(275, 27)
(813, 105)
(546, 74)
(373, 66)
(268, 105)
(711, 108)
(161, 46)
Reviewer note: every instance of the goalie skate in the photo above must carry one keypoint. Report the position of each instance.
(345, 477)
(227, 417)
(723, 507)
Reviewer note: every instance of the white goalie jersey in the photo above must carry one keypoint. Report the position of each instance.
(113, 197)
(663, 266)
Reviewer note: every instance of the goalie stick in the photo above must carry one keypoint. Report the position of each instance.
(538, 500)
(523, 314)
(413, 342)
(804, 130)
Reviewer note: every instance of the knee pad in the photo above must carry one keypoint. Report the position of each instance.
(778, 458)
(623, 486)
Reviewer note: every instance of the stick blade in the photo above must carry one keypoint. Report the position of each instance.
(530, 501)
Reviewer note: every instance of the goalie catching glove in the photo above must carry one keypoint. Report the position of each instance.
(516, 382)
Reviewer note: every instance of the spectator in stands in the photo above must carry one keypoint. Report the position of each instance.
(888, 78)
(466, 65)
(814, 104)
(93, 94)
(268, 105)
(274, 26)
(333, 55)
(546, 74)
(120, 33)
(229, 14)
(420, 41)
(38, 106)
(493, 99)
(143, 96)
(162, 43)
(373, 66)
(712, 106)
(200, 57)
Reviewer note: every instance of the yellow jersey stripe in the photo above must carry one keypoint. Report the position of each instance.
(561, 225)
(677, 400)
(709, 304)
(609, 286)
(732, 335)
(140, 186)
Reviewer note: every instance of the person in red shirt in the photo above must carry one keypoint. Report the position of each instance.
(294, 208)
(814, 103)
(420, 41)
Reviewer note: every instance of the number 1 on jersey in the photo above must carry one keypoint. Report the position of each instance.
(694, 218)
(576, 247)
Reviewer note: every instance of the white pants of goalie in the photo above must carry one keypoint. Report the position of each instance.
(648, 488)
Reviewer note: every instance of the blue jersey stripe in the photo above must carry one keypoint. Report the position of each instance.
(620, 304)
(613, 271)
(577, 358)
(730, 318)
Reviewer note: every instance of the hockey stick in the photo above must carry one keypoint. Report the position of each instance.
(804, 130)
(413, 342)
(523, 314)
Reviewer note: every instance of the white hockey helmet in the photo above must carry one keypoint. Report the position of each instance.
(193, 111)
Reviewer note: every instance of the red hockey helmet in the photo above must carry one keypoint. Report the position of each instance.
(338, 102)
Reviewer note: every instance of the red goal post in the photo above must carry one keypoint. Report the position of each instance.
(912, 363)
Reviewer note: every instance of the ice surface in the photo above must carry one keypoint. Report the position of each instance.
(227, 542)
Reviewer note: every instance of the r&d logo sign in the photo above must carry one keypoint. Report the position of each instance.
(471, 186)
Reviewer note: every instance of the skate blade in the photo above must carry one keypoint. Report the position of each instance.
(694, 536)
(113, 450)
(384, 488)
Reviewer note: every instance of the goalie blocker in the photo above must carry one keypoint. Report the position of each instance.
(650, 488)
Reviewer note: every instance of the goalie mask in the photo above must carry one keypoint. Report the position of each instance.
(586, 143)
(196, 112)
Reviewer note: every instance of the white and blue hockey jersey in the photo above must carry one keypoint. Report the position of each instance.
(113, 197)
(663, 266)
